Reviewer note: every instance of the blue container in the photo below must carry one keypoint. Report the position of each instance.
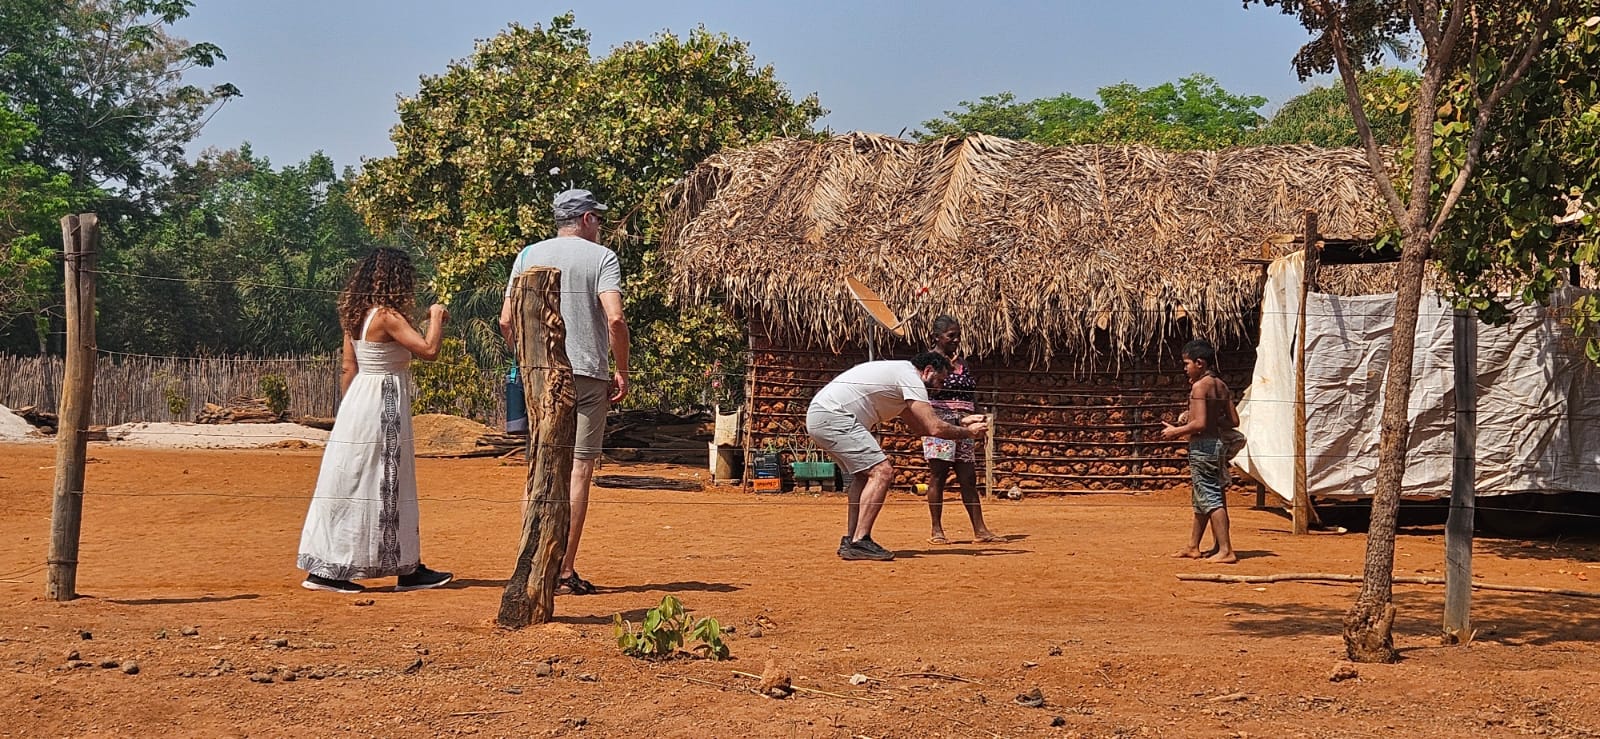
(516, 408)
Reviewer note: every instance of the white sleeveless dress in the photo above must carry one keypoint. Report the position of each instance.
(363, 517)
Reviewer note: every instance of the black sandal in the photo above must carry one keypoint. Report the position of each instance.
(574, 585)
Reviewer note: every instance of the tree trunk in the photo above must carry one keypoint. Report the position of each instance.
(1367, 626)
(552, 425)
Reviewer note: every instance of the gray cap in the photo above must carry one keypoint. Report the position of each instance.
(570, 204)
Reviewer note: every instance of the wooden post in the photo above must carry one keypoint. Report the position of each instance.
(541, 339)
(1302, 493)
(80, 237)
(988, 444)
(1458, 526)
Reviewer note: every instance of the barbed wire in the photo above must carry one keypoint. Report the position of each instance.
(1011, 394)
(911, 303)
(815, 500)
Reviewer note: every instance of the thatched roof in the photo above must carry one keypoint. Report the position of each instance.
(1032, 248)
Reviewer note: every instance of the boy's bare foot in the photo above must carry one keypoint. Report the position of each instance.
(1188, 553)
(1223, 558)
(985, 537)
(938, 538)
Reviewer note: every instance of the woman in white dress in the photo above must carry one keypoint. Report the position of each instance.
(363, 518)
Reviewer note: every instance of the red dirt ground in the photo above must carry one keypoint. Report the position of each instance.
(1082, 605)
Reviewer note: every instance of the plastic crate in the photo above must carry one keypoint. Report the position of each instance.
(813, 470)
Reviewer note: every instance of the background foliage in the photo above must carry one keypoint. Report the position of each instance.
(482, 148)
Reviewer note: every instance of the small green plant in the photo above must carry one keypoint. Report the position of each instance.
(666, 629)
(172, 393)
(276, 390)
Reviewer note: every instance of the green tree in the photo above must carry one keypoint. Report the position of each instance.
(1526, 223)
(1192, 113)
(1488, 48)
(260, 252)
(32, 202)
(1321, 117)
(482, 148)
(103, 81)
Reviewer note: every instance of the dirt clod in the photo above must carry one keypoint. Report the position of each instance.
(190, 631)
(1034, 698)
(260, 677)
(1343, 671)
(130, 667)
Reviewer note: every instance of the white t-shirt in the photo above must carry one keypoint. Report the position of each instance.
(873, 392)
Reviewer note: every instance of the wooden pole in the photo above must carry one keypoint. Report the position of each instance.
(1458, 526)
(988, 444)
(80, 237)
(541, 339)
(1302, 494)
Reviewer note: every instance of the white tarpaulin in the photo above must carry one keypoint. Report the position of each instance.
(1538, 397)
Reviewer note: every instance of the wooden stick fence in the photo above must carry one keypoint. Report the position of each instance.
(142, 388)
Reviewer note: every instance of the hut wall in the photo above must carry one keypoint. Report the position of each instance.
(1061, 429)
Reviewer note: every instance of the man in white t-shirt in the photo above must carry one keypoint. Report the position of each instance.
(840, 420)
(591, 308)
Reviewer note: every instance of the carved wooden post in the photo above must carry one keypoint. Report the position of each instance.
(80, 237)
(541, 338)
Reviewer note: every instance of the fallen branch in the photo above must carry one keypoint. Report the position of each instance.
(1405, 580)
(813, 690)
(938, 675)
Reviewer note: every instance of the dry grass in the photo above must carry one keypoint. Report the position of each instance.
(1034, 249)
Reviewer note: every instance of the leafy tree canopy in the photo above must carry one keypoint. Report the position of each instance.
(103, 81)
(32, 201)
(482, 148)
(1192, 113)
(247, 258)
(1321, 116)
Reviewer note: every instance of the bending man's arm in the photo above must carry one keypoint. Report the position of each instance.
(923, 420)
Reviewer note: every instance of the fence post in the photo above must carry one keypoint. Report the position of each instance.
(1463, 485)
(80, 237)
(1301, 505)
(540, 338)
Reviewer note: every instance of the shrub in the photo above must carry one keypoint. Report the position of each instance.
(452, 384)
(276, 390)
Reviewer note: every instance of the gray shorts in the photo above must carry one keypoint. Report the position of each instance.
(593, 402)
(845, 439)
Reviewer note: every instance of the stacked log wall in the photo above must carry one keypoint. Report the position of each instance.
(1063, 429)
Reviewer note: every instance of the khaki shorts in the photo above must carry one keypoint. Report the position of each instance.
(845, 439)
(593, 402)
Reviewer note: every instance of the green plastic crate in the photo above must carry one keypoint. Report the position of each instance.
(812, 470)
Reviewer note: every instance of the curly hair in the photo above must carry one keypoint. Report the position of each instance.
(383, 278)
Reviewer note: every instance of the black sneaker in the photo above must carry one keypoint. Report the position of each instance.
(844, 543)
(872, 546)
(421, 579)
(317, 582)
(866, 550)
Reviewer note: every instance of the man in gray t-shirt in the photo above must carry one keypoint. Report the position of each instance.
(591, 308)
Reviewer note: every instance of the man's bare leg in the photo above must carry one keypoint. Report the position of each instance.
(1223, 537)
(578, 495)
(872, 496)
(858, 483)
(1196, 532)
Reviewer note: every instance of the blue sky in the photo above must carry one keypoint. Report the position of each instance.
(325, 75)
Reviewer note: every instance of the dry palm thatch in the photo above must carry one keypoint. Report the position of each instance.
(1034, 249)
